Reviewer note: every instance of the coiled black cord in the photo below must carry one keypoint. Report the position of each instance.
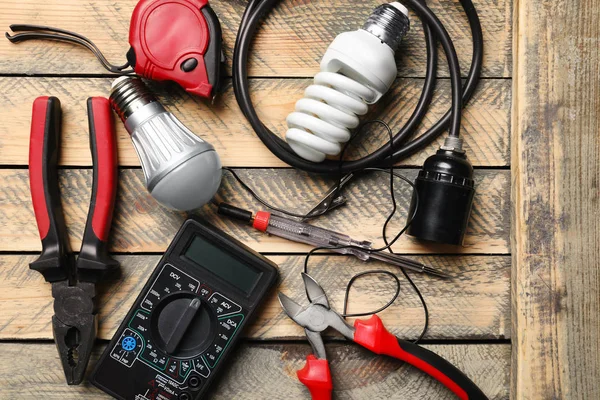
(402, 148)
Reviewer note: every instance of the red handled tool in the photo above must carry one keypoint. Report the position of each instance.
(174, 40)
(74, 323)
(371, 334)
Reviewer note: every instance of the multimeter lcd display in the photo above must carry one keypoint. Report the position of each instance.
(214, 259)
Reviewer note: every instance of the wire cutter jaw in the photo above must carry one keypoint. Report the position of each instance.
(74, 326)
(370, 334)
(316, 317)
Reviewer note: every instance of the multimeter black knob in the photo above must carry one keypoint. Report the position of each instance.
(182, 325)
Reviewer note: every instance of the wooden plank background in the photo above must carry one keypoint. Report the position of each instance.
(470, 315)
(556, 195)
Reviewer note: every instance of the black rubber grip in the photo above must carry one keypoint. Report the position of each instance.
(436, 363)
(94, 260)
(55, 262)
(235, 212)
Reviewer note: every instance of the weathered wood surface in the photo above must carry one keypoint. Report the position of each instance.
(140, 224)
(485, 126)
(556, 195)
(474, 305)
(267, 371)
(290, 43)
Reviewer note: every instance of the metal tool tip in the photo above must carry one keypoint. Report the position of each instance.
(314, 291)
(437, 273)
(290, 307)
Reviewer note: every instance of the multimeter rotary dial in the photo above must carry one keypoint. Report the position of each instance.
(183, 325)
(181, 330)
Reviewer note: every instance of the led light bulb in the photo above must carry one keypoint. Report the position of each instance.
(182, 171)
(356, 70)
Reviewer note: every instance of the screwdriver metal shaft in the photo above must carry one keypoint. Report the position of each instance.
(337, 242)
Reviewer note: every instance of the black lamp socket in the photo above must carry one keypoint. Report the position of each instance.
(445, 186)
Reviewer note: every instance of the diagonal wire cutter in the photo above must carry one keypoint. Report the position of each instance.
(371, 334)
(74, 323)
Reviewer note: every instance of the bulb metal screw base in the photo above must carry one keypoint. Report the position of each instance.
(390, 23)
(127, 95)
(181, 170)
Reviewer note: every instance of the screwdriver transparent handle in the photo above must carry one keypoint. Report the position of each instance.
(319, 237)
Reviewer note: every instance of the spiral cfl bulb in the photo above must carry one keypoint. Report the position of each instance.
(356, 70)
(181, 170)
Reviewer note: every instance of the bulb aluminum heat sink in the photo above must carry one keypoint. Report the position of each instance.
(182, 171)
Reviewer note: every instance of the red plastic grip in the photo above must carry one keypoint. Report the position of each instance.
(372, 335)
(36, 168)
(105, 167)
(316, 376)
(166, 33)
(261, 220)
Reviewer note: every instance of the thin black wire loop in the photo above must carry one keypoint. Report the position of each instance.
(345, 313)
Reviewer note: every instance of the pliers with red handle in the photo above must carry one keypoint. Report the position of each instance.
(74, 323)
(371, 334)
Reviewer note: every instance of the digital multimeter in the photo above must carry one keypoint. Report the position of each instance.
(185, 322)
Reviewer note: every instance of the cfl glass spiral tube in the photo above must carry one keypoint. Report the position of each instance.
(356, 70)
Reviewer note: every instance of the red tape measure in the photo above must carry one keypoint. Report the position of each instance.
(177, 40)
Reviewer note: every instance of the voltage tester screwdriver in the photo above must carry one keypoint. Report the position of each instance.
(341, 243)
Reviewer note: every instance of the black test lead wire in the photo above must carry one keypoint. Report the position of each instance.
(388, 243)
(399, 147)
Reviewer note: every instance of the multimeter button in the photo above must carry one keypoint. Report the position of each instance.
(201, 367)
(173, 368)
(222, 305)
(185, 367)
(128, 343)
(205, 291)
(189, 65)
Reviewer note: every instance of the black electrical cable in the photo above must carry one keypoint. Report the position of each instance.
(398, 146)
(435, 32)
(387, 246)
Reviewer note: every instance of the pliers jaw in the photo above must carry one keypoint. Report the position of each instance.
(74, 326)
(74, 323)
(370, 334)
(316, 317)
